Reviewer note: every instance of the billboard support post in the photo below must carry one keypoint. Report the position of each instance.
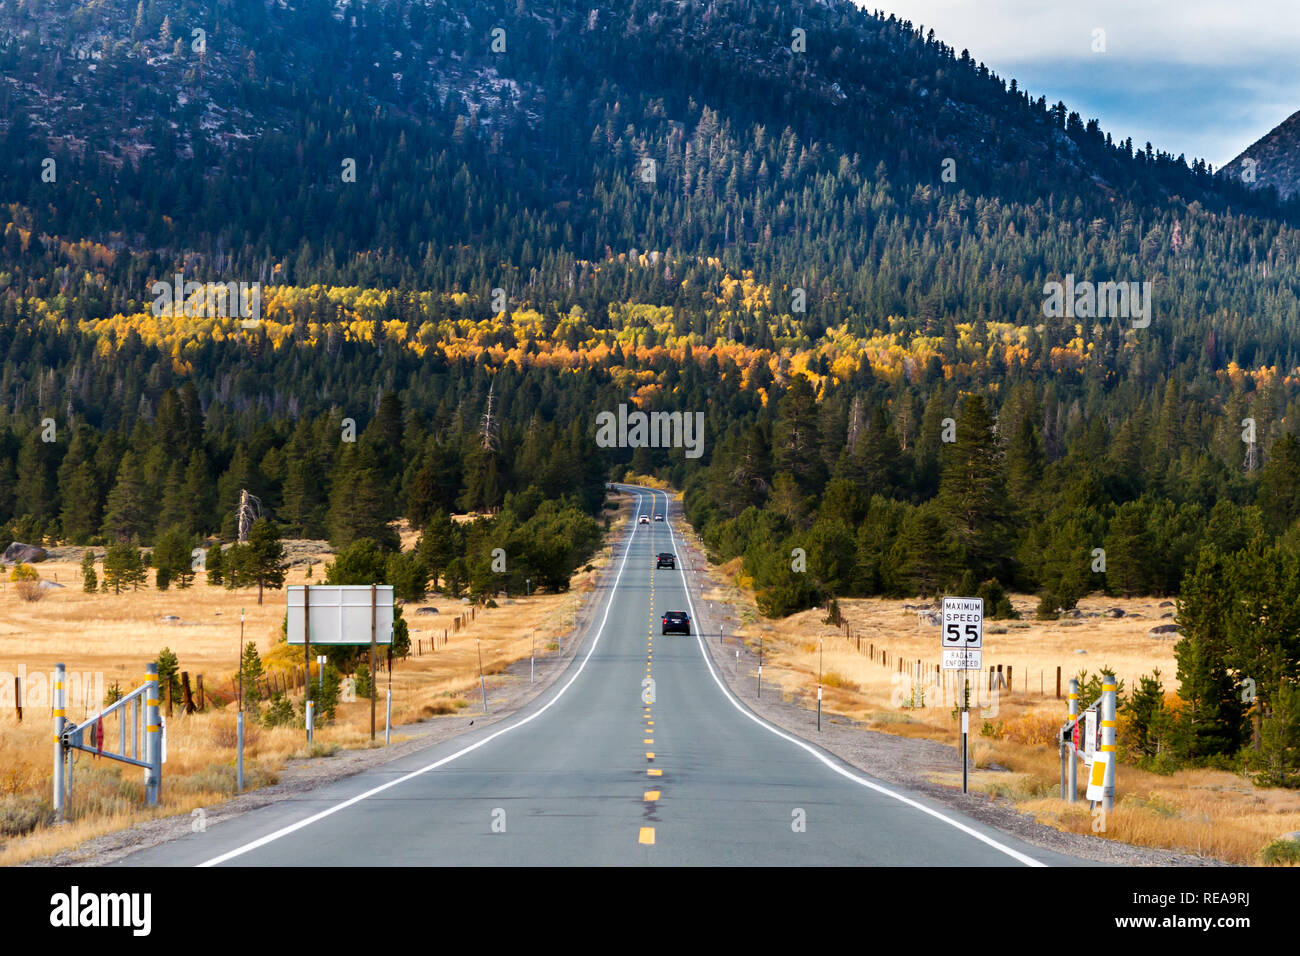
(306, 655)
(373, 688)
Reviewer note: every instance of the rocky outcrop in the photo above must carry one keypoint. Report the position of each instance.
(19, 553)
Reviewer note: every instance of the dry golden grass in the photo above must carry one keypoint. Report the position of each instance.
(1216, 813)
(116, 635)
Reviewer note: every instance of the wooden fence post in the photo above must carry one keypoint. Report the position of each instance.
(1058, 681)
(187, 697)
(198, 680)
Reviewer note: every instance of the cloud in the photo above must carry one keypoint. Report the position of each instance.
(1199, 77)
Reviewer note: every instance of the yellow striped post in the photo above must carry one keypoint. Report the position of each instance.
(1108, 696)
(60, 757)
(152, 737)
(1072, 788)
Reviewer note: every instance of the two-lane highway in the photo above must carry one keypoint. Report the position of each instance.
(638, 754)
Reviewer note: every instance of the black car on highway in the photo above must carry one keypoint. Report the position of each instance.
(666, 560)
(677, 622)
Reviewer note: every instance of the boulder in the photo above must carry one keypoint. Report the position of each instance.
(170, 619)
(1166, 603)
(426, 610)
(1164, 630)
(19, 553)
(1114, 612)
(47, 585)
(929, 617)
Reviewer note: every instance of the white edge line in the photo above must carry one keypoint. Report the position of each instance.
(804, 745)
(307, 821)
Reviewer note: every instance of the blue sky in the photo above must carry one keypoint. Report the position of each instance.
(1202, 77)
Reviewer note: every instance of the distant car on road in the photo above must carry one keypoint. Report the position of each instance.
(677, 622)
(666, 560)
(643, 520)
(659, 517)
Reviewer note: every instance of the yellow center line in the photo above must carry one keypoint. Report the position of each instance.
(651, 796)
(654, 773)
(649, 755)
(647, 836)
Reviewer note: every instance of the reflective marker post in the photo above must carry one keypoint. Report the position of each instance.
(58, 742)
(239, 718)
(1108, 694)
(819, 683)
(1071, 773)
(153, 737)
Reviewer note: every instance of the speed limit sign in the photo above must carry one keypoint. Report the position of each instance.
(963, 634)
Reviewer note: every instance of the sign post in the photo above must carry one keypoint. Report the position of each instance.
(306, 656)
(962, 644)
(373, 688)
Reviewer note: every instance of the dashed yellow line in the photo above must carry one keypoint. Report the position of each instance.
(649, 755)
(651, 796)
(647, 836)
(654, 773)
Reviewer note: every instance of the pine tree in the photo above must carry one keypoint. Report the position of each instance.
(123, 567)
(973, 497)
(439, 545)
(89, 582)
(1210, 722)
(169, 680)
(80, 515)
(1024, 461)
(1279, 484)
(172, 558)
(250, 671)
(922, 559)
(212, 565)
(795, 442)
(127, 511)
(357, 501)
(264, 557)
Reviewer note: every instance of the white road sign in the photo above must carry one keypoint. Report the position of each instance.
(340, 614)
(963, 634)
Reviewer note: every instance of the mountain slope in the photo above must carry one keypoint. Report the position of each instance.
(1276, 158)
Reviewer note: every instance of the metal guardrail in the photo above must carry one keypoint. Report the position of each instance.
(139, 729)
(1104, 706)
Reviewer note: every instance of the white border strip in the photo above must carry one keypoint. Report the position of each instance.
(307, 821)
(803, 745)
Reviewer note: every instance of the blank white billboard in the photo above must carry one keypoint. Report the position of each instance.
(340, 613)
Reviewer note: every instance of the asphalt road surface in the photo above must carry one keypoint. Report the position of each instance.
(606, 768)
